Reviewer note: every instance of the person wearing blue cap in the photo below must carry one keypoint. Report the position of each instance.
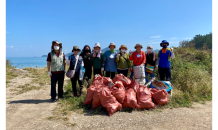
(163, 63)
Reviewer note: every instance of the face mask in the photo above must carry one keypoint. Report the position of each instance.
(96, 51)
(86, 50)
(149, 50)
(123, 50)
(164, 46)
(56, 47)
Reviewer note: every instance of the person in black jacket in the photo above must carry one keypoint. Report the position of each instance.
(87, 60)
(150, 63)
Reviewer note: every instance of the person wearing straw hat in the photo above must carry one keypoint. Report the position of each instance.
(163, 63)
(150, 63)
(110, 63)
(138, 57)
(123, 61)
(56, 69)
(75, 58)
(98, 59)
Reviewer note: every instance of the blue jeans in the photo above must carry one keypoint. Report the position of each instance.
(54, 79)
(124, 72)
(151, 75)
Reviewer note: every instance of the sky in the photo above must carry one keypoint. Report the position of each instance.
(31, 25)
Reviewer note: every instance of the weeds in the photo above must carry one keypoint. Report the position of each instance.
(24, 88)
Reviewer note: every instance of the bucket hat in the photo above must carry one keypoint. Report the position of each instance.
(97, 44)
(164, 41)
(112, 44)
(123, 46)
(150, 46)
(138, 45)
(75, 48)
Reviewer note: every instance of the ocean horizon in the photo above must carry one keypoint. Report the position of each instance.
(22, 62)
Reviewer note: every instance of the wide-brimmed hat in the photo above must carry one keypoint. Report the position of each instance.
(112, 44)
(123, 46)
(60, 44)
(164, 41)
(150, 46)
(97, 44)
(138, 45)
(75, 48)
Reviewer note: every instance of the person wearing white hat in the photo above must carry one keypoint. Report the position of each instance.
(110, 61)
(98, 59)
(56, 69)
(150, 63)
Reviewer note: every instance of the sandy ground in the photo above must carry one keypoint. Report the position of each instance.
(29, 111)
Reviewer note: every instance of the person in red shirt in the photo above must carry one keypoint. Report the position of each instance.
(138, 57)
(56, 69)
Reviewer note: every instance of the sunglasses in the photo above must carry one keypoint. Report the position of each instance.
(76, 50)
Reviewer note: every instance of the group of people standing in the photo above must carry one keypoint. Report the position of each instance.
(96, 62)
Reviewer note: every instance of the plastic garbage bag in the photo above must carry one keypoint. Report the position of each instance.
(134, 85)
(118, 91)
(109, 102)
(96, 99)
(89, 95)
(120, 77)
(97, 80)
(159, 96)
(144, 98)
(139, 72)
(81, 73)
(108, 82)
(130, 99)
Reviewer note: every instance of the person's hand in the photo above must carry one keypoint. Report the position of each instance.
(153, 52)
(171, 49)
(49, 73)
(118, 55)
(142, 64)
(130, 52)
(93, 50)
(94, 54)
(102, 69)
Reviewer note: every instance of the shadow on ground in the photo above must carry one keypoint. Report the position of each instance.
(31, 101)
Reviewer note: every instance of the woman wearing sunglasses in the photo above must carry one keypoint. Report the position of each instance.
(72, 62)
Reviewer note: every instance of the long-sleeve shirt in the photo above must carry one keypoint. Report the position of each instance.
(138, 58)
(123, 63)
(164, 58)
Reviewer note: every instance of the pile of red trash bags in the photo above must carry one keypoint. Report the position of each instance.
(122, 92)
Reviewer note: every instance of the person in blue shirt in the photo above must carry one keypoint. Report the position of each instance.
(110, 61)
(163, 63)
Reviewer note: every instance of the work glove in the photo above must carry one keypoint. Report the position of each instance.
(102, 69)
(49, 73)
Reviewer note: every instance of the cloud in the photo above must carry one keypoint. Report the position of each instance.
(154, 43)
(155, 36)
(188, 38)
(31, 46)
(173, 38)
(10, 46)
(173, 42)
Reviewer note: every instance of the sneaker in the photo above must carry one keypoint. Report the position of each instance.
(53, 100)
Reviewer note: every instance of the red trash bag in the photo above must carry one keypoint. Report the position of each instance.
(89, 95)
(96, 100)
(97, 80)
(118, 91)
(109, 102)
(144, 98)
(120, 77)
(134, 85)
(159, 96)
(108, 82)
(130, 99)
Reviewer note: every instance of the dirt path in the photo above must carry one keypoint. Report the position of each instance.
(30, 110)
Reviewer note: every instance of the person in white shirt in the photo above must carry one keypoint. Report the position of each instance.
(72, 62)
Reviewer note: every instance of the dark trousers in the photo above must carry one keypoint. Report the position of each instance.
(97, 71)
(164, 72)
(110, 74)
(74, 82)
(124, 72)
(88, 74)
(54, 79)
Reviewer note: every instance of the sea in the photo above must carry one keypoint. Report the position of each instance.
(21, 62)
